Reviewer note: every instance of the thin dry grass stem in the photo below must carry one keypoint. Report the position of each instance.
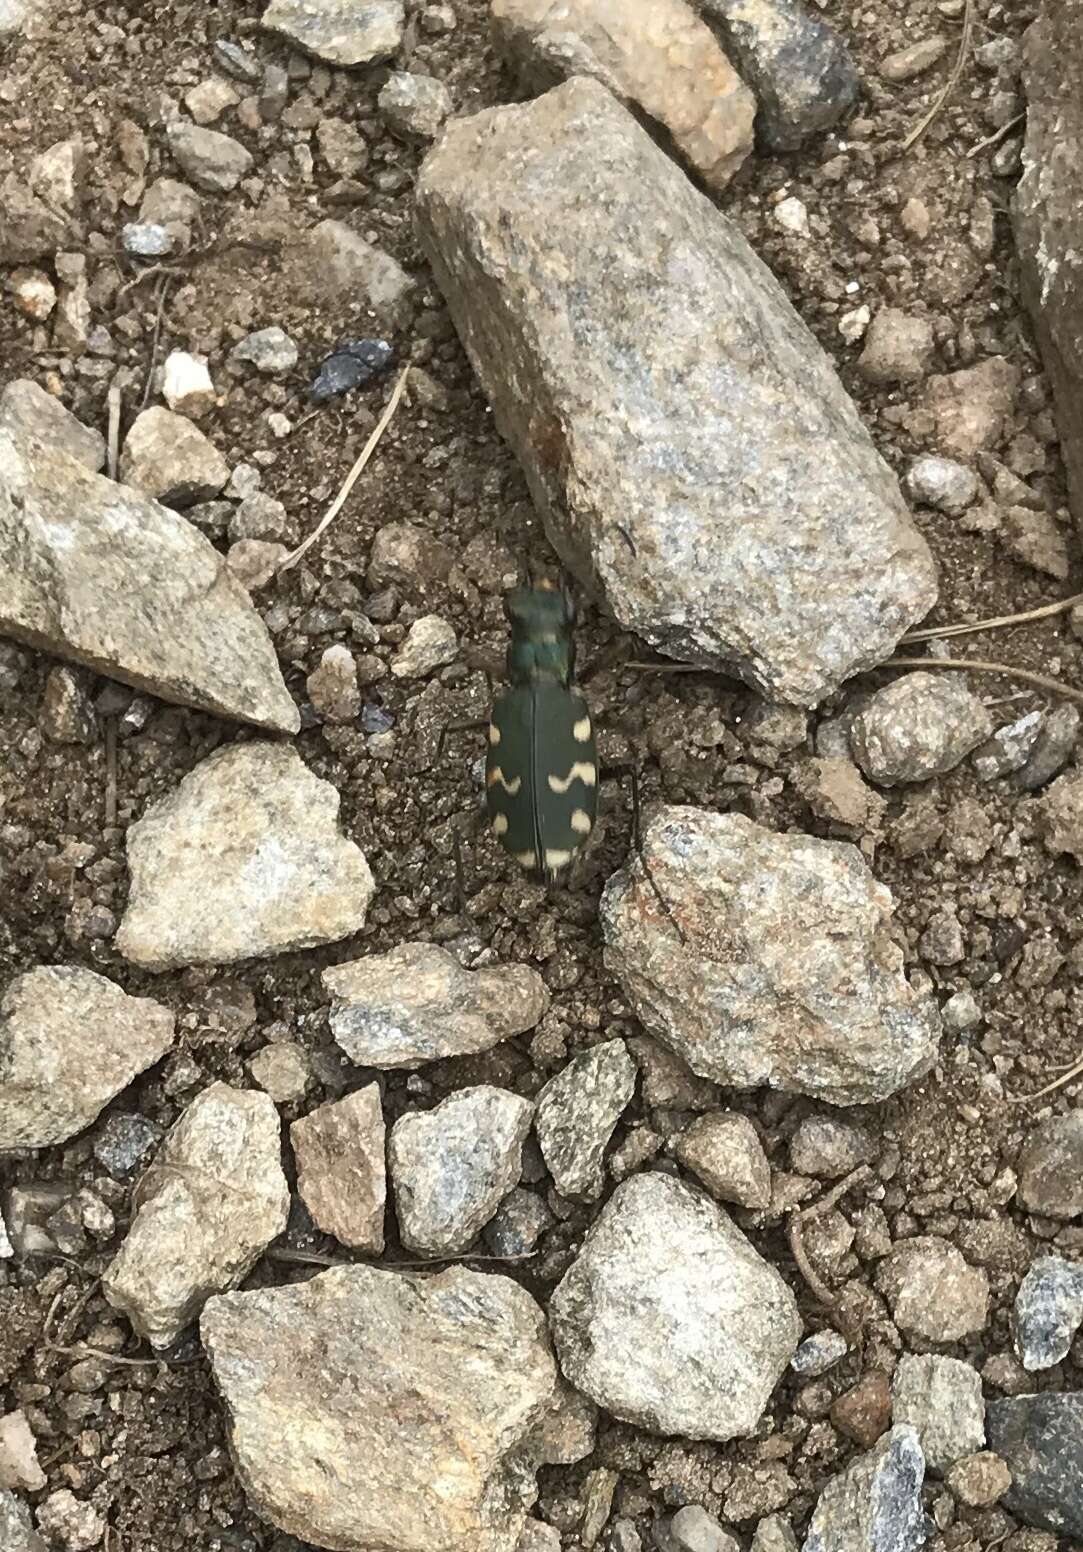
(351, 479)
(939, 632)
(795, 1233)
(998, 134)
(983, 666)
(949, 85)
(1072, 1071)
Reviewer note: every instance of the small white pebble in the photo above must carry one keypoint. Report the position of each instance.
(792, 216)
(186, 383)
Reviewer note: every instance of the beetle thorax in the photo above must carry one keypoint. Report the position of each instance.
(541, 644)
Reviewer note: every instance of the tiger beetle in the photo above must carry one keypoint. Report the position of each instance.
(541, 771)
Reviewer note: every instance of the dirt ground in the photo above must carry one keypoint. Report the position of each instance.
(146, 1438)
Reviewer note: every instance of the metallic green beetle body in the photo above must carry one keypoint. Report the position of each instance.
(541, 773)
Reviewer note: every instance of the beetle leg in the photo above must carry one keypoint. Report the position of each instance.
(471, 725)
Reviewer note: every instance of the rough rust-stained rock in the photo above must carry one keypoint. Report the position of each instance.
(208, 1206)
(660, 58)
(69, 1041)
(341, 1174)
(1048, 223)
(244, 859)
(92, 571)
(669, 1318)
(377, 1409)
(795, 63)
(682, 433)
(417, 1004)
(788, 976)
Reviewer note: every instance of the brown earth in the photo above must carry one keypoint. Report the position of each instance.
(148, 1441)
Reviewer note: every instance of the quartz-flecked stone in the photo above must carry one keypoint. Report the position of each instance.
(93, 571)
(683, 435)
(1048, 199)
(577, 1111)
(1048, 1311)
(669, 1318)
(875, 1502)
(375, 1409)
(451, 1166)
(69, 1041)
(660, 58)
(206, 1209)
(417, 1004)
(244, 859)
(788, 974)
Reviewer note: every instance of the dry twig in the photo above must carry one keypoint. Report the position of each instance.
(795, 1232)
(983, 666)
(998, 134)
(163, 290)
(949, 85)
(1072, 1071)
(939, 632)
(353, 476)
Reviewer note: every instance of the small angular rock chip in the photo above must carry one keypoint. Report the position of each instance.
(668, 1317)
(244, 859)
(99, 574)
(341, 1174)
(685, 438)
(353, 364)
(788, 974)
(378, 1409)
(417, 1004)
(875, 1502)
(208, 1206)
(69, 1041)
(340, 32)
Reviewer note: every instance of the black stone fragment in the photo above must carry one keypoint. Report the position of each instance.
(1041, 1439)
(353, 364)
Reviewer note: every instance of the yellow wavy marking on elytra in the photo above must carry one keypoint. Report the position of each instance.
(525, 859)
(498, 779)
(557, 859)
(582, 771)
(494, 733)
(500, 824)
(580, 821)
(581, 730)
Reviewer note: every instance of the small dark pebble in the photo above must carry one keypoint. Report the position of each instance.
(374, 719)
(124, 1141)
(354, 364)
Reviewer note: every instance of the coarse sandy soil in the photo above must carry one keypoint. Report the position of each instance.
(153, 1432)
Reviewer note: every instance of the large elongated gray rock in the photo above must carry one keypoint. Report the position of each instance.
(788, 974)
(95, 572)
(69, 1041)
(692, 452)
(669, 1318)
(246, 858)
(1048, 224)
(875, 1502)
(372, 1409)
(208, 1206)
(660, 58)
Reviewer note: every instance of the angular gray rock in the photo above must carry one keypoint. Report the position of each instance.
(668, 1317)
(1051, 1163)
(932, 1290)
(214, 162)
(268, 350)
(209, 1205)
(942, 1399)
(1048, 1312)
(819, 1352)
(875, 1502)
(336, 262)
(1046, 208)
(94, 572)
(795, 63)
(341, 1175)
(414, 107)
(16, 1532)
(168, 458)
(26, 409)
(723, 1149)
(431, 1391)
(340, 32)
(662, 60)
(451, 1166)
(70, 1522)
(687, 344)
(69, 1041)
(1040, 1438)
(576, 1113)
(788, 975)
(30, 228)
(941, 483)
(1009, 748)
(919, 726)
(417, 1004)
(829, 1146)
(244, 859)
